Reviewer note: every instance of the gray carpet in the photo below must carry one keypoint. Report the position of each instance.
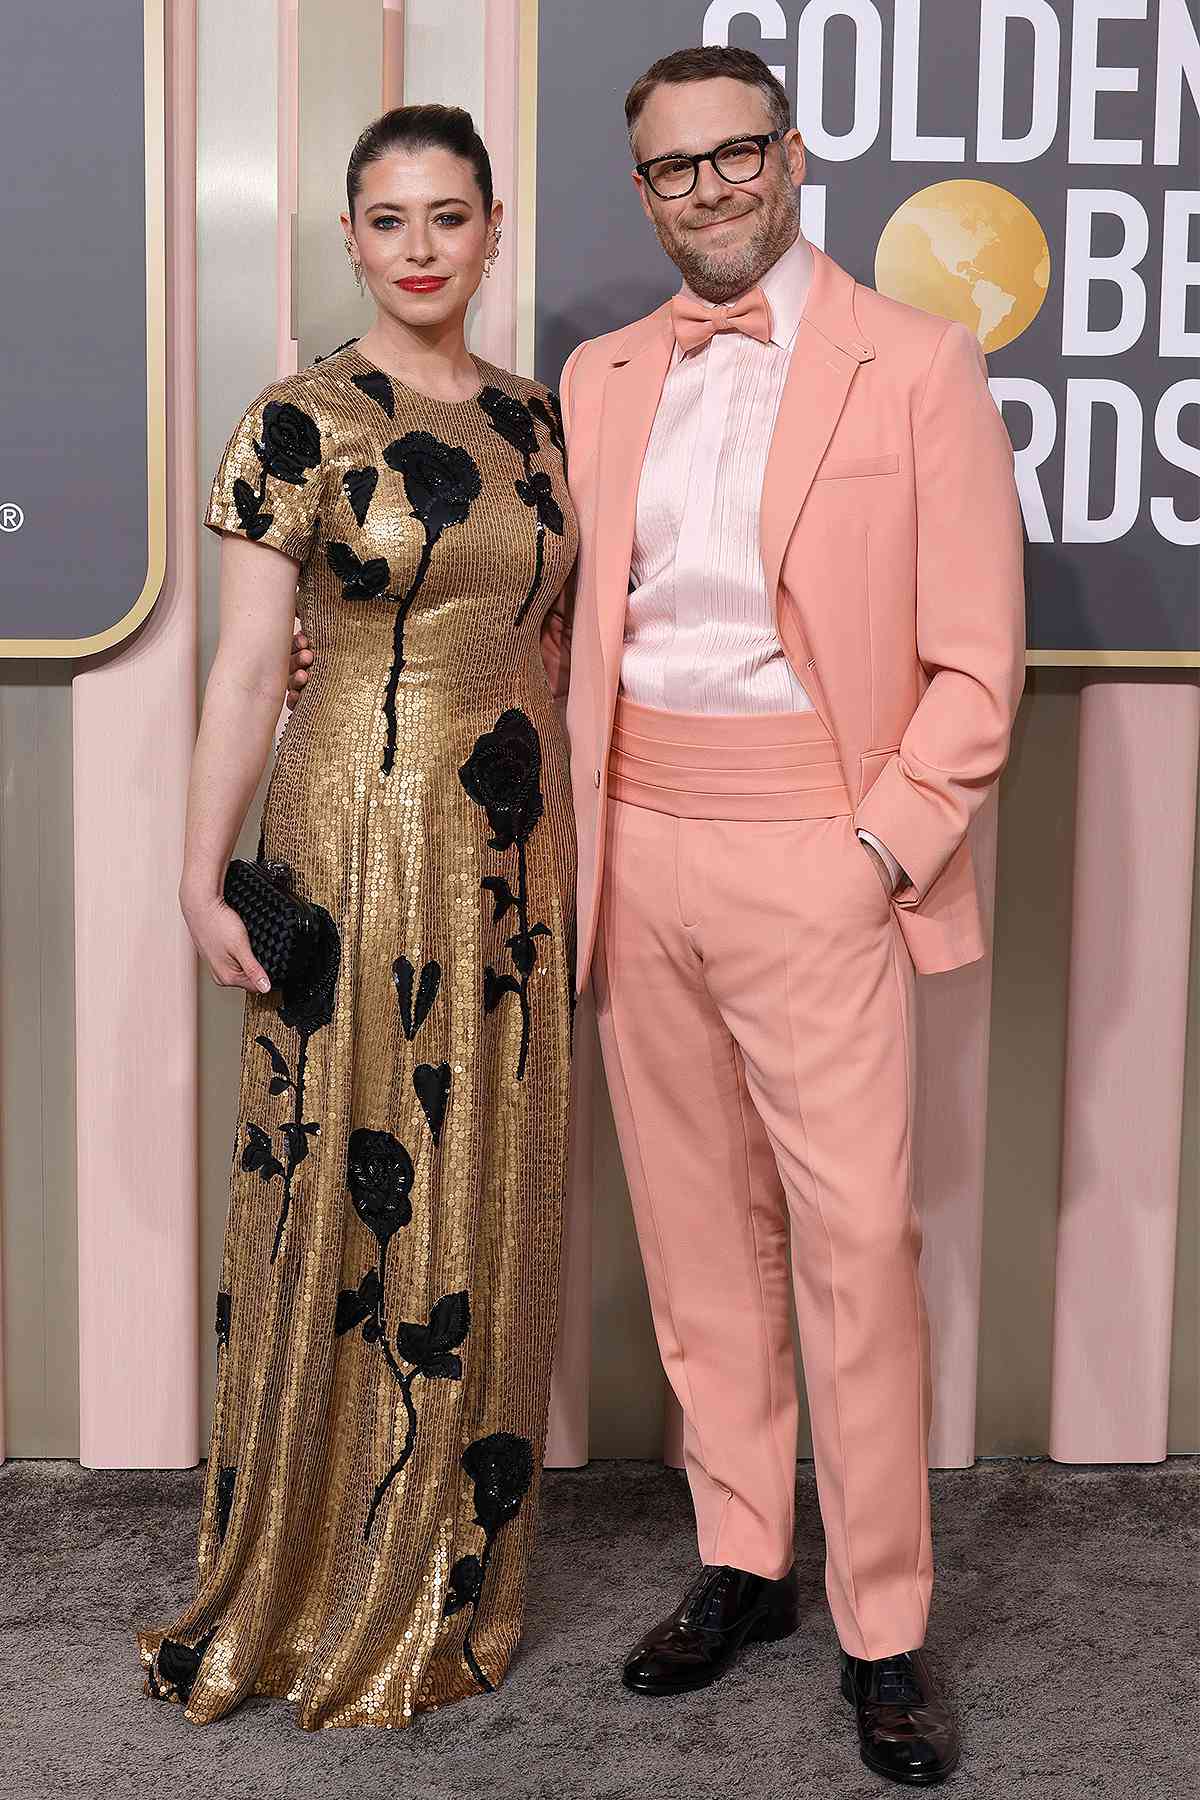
(1063, 1623)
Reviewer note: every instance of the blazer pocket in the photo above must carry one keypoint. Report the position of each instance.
(838, 468)
(871, 764)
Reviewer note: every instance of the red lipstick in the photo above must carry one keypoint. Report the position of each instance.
(423, 284)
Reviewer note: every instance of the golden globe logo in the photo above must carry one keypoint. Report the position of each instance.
(1094, 103)
(969, 251)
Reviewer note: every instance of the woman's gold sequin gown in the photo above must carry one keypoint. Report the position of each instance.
(389, 1286)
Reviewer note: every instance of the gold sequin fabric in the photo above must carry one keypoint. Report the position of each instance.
(389, 1284)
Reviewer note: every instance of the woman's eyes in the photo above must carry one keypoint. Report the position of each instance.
(440, 219)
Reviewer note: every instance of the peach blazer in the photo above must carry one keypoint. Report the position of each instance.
(891, 538)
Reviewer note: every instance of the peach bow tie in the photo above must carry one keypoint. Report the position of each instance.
(695, 323)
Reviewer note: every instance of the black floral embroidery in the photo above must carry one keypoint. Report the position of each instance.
(549, 413)
(432, 1088)
(289, 447)
(431, 1349)
(380, 1174)
(511, 418)
(360, 580)
(173, 1672)
(539, 493)
(501, 1467)
(291, 442)
(356, 1304)
(515, 422)
(441, 481)
(503, 775)
(255, 522)
(377, 387)
(413, 1014)
(466, 1579)
(359, 486)
(258, 1154)
(380, 1178)
(281, 1079)
(224, 1310)
(305, 1005)
(226, 1481)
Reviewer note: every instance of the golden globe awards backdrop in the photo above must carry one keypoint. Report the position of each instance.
(82, 327)
(1028, 167)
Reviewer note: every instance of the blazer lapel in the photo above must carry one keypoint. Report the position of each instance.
(631, 396)
(826, 356)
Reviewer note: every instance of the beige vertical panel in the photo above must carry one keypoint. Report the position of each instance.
(1139, 743)
(445, 60)
(238, 280)
(341, 79)
(628, 1387)
(285, 97)
(1028, 1025)
(443, 53)
(135, 973)
(953, 1025)
(567, 1436)
(37, 1062)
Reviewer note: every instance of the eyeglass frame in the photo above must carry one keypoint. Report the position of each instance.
(760, 139)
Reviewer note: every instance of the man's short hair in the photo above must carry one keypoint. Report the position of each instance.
(707, 63)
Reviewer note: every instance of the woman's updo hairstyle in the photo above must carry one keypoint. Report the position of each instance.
(420, 128)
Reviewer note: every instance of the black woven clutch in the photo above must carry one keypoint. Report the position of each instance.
(282, 930)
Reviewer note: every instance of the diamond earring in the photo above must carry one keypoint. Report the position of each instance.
(356, 266)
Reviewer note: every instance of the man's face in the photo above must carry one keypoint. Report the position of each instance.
(721, 237)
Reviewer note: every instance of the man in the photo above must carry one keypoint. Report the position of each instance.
(796, 657)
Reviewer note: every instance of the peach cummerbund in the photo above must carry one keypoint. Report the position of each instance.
(745, 766)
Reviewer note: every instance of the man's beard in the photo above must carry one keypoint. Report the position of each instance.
(718, 278)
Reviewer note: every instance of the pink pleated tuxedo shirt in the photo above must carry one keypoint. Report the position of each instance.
(700, 633)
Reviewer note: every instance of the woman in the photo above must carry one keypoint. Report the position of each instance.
(389, 1291)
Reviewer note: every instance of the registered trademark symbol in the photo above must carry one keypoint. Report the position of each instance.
(11, 516)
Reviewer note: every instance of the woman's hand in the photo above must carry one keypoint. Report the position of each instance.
(237, 726)
(222, 942)
(298, 667)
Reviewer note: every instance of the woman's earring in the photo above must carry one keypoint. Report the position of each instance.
(493, 253)
(356, 266)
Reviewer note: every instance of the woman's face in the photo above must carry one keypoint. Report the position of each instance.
(421, 235)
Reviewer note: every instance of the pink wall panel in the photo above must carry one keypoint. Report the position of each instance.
(393, 54)
(495, 333)
(1126, 1032)
(134, 721)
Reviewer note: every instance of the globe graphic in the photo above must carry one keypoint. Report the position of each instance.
(969, 251)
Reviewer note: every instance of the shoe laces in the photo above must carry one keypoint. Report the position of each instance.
(896, 1682)
(704, 1593)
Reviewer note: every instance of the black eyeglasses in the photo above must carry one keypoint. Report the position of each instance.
(673, 177)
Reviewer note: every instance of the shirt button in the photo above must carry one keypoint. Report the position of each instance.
(596, 777)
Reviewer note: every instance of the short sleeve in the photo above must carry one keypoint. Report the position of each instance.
(268, 482)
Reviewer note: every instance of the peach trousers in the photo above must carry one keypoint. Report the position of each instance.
(754, 1000)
